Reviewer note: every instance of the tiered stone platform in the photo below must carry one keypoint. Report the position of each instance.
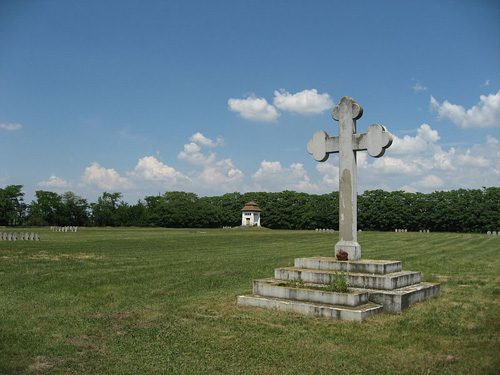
(374, 286)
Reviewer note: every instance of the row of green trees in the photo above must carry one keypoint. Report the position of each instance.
(446, 211)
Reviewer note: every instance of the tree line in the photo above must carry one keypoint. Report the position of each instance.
(463, 210)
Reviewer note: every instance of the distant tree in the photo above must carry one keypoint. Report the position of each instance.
(459, 210)
(75, 209)
(489, 218)
(228, 206)
(46, 209)
(12, 207)
(132, 214)
(105, 211)
(177, 209)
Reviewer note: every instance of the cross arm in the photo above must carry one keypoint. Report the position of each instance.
(376, 140)
(322, 145)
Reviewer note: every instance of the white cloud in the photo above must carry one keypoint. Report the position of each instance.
(192, 155)
(266, 168)
(463, 167)
(330, 174)
(391, 165)
(408, 189)
(150, 168)
(210, 174)
(418, 88)
(307, 102)
(272, 176)
(220, 175)
(54, 182)
(485, 114)
(440, 160)
(103, 178)
(254, 109)
(10, 127)
(414, 145)
(206, 142)
(469, 160)
(491, 140)
(430, 181)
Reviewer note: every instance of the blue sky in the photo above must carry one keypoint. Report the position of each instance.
(211, 97)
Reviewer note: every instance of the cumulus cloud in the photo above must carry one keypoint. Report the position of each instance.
(107, 179)
(307, 102)
(468, 159)
(218, 175)
(192, 155)
(491, 140)
(485, 114)
(10, 127)
(434, 168)
(330, 175)
(210, 173)
(254, 109)
(391, 165)
(272, 176)
(206, 142)
(440, 160)
(430, 181)
(54, 182)
(414, 145)
(150, 168)
(221, 174)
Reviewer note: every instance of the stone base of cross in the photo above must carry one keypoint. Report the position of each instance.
(376, 140)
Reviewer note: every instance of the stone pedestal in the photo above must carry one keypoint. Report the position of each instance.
(374, 286)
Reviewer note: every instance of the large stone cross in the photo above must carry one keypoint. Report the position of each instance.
(375, 140)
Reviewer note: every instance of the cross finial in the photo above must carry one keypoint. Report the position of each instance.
(376, 140)
(347, 108)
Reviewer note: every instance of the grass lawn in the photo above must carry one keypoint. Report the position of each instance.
(163, 301)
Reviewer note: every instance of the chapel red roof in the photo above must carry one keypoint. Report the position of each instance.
(251, 206)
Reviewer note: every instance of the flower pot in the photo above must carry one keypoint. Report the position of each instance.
(342, 255)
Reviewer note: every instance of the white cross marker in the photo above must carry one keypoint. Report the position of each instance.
(375, 140)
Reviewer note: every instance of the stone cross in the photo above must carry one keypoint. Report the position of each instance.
(375, 140)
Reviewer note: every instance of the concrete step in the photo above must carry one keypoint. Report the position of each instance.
(390, 281)
(357, 314)
(278, 289)
(379, 267)
(397, 300)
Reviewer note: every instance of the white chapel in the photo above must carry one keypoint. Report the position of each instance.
(250, 215)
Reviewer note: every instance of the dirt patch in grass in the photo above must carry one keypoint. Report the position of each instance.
(442, 278)
(86, 343)
(43, 255)
(40, 363)
(57, 257)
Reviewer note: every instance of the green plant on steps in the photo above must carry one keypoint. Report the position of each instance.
(297, 283)
(339, 284)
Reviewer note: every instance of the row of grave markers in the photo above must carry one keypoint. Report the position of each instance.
(12, 236)
(494, 233)
(406, 230)
(64, 229)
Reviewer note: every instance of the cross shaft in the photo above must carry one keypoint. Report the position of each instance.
(375, 140)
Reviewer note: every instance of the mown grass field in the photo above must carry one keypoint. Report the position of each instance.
(163, 301)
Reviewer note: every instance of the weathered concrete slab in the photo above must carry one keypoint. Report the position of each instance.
(274, 288)
(397, 300)
(357, 280)
(380, 267)
(356, 314)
